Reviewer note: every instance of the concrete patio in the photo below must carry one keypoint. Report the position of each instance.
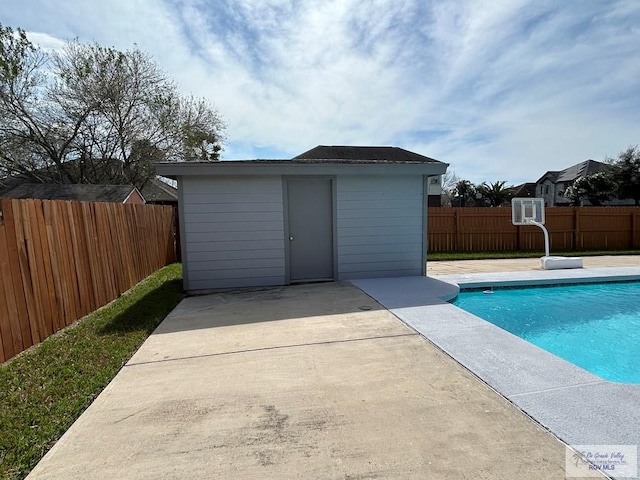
(311, 381)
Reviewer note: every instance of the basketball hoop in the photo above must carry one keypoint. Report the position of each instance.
(530, 211)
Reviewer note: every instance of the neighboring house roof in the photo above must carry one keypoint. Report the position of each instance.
(154, 191)
(581, 169)
(83, 193)
(9, 183)
(158, 191)
(525, 190)
(569, 174)
(551, 175)
(357, 154)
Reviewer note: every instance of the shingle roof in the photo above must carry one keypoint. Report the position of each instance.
(157, 191)
(569, 174)
(551, 175)
(525, 190)
(84, 193)
(357, 154)
(581, 169)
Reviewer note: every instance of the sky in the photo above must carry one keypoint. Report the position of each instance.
(499, 89)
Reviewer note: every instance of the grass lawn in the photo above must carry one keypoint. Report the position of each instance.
(446, 256)
(45, 389)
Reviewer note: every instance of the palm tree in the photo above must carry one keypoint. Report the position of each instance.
(496, 193)
(464, 191)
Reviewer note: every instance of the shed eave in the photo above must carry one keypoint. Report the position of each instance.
(284, 167)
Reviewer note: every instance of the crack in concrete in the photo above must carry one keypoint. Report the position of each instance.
(277, 347)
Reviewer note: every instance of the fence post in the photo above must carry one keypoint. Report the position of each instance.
(576, 227)
(457, 232)
(634, 227)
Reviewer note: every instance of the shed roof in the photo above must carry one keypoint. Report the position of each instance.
(357, 154)
(321, 160)
(84, 193)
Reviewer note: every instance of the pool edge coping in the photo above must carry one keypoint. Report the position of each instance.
(576, 387)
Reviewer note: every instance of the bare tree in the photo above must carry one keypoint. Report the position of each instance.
(448, 181)
(36, 133)
(93, 114)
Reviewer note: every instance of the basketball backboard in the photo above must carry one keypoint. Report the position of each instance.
(526, 210)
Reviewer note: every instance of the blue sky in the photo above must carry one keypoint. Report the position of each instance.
(500, 89)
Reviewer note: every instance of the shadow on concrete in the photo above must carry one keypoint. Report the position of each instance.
(242, 307)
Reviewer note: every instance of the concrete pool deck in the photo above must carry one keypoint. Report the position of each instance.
(435, 268)
(310, 381)
(575, 405)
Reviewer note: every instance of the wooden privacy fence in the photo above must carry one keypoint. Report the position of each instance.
(62, 260)
(462, 229)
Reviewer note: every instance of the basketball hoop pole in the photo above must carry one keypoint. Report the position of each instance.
(546, 234)
(530, 211)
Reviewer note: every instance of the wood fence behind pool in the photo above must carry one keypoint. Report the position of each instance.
(463, 229)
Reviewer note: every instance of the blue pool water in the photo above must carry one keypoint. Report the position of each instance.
(594, 326)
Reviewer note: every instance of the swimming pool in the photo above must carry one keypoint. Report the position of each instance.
(593, 326)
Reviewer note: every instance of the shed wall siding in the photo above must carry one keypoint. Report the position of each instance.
(380, 226)
(233, 231)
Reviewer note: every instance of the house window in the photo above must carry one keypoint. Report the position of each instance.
(546, 189)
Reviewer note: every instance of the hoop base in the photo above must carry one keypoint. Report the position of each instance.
(557, 263)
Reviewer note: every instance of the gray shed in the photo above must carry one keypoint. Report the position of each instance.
(332, 213)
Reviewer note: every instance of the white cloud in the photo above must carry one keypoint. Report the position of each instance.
(500, 90)
(45, 41)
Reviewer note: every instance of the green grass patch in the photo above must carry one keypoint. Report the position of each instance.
(446, 256)
(45, 389)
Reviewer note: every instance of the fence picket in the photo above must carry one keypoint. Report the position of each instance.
(23, 240)
(12, 257)
(469, 229)
(8, 344)
(8, 303)
(61, 260)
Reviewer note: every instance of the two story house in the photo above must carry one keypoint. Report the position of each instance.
(552, 185)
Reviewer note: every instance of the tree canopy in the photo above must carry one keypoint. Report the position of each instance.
(465, 192)
(93, 114)
(625, 174)
(597, 188)
(620, 179)
(495, 193)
